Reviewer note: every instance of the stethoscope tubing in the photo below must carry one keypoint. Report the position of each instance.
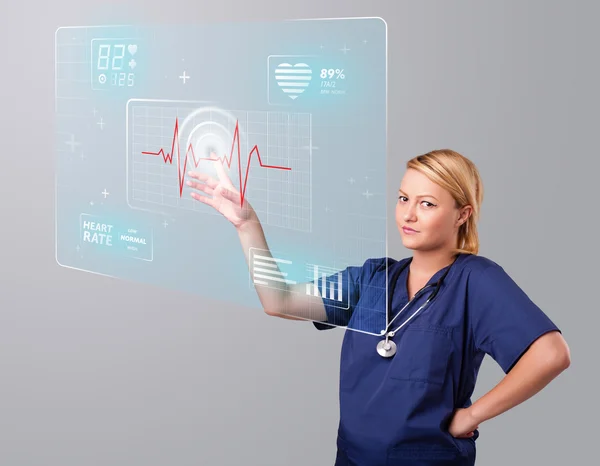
(417, 295)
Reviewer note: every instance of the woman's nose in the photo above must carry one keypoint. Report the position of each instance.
(409, 213)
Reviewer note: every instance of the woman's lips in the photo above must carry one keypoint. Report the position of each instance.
(409, 231)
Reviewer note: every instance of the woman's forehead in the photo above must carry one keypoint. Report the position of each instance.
(415, 183)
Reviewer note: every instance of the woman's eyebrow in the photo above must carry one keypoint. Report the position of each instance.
(420, 195)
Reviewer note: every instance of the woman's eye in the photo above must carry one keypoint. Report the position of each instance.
(405, 199)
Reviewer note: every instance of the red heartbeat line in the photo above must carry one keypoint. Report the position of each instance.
(168, 158)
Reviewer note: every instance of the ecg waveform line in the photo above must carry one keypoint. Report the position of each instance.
(168, 158)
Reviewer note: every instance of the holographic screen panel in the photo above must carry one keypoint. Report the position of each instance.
(293, 112)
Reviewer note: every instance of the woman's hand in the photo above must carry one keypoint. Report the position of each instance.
(226, 199)
(463, 424)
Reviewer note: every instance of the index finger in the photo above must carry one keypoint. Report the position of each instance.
(221, 171)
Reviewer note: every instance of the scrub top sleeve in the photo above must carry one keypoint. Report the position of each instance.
(504, 320)
(351, 278)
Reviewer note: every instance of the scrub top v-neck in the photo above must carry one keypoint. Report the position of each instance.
(396, 411)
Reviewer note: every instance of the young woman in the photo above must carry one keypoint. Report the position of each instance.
(405, 397)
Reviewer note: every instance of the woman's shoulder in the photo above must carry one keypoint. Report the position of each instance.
(476, 263)
(481, 268)
(376, 267)
(379, 264)
(472, 264)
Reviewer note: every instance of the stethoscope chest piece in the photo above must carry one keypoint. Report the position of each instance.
(386, 348)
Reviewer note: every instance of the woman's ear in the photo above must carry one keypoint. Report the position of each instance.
(465, 213)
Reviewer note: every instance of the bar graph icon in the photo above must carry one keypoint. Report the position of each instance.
(328, 283)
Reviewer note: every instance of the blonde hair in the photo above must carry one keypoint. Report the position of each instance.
(460, 177)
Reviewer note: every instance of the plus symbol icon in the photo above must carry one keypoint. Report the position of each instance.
(184, 77)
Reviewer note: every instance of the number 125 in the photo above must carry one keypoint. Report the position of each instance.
(118, 79)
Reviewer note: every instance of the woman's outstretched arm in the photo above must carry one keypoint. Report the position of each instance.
(287, 301)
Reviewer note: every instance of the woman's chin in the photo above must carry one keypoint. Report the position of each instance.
(409, 243)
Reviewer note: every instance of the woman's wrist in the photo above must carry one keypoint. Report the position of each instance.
(248, 223)
(476, 413)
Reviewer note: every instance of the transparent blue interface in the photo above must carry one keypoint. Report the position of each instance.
(293, 111)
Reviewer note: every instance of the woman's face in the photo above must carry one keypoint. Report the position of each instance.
(429, 210)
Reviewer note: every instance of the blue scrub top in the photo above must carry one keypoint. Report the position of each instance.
(396, 411)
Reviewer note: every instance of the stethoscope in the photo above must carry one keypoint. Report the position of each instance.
(387, 348)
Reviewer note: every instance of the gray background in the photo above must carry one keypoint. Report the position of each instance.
(97, 371)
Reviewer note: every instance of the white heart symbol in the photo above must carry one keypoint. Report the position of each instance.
(132, 49)
(293, 80)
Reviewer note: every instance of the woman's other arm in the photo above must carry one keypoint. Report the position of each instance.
(545, 359)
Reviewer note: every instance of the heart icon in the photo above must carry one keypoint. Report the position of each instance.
(293, 79)
(132, 48)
